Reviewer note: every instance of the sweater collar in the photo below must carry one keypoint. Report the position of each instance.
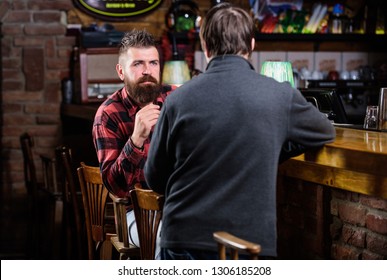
(228, 60)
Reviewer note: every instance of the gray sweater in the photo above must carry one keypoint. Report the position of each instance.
(215, 153)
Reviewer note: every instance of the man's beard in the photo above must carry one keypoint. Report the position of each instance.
(144, 93)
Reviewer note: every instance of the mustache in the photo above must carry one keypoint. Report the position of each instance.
(147, 78)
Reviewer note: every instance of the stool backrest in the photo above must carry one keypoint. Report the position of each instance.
(235, 245)
(147, 206)
(94, 197)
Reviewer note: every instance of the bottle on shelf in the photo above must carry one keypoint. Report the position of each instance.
(338, 20)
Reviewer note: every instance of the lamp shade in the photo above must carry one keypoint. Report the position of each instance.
(176, 72)
(279, 70)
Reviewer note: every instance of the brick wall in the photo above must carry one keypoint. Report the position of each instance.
(320, 222)
(359, 228)
(35, 58)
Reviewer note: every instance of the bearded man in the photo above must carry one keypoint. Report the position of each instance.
(124, 122)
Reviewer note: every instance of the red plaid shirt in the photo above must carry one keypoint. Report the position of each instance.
(120, 162)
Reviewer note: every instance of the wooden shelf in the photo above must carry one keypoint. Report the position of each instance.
(369, 38)
(309, 42)
(320, 42)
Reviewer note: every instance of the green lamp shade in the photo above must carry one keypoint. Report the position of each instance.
(176, 72)
(279, 70)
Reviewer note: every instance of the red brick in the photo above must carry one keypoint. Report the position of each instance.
(19, 4)
(42, 109)
(45, 29)
(55, 75)
(377, 243)
(69, 41)
(354, 236)
(50, 5)
(52, 93)
(374, 202)
(352, 213)
(66, 53)
(15, 119)
(343, 252)
(12, 29)
(11, 63)
(366, 255)
(54, 119)
(26, 41)
(50, 48)
(46, 16)
(21, 96)
(45, 130)
(11, 142)
(16, 177)
(12, 85)
(11, 74)
(18, 16)
(377, 223)
(58, 63)
(33, 67)
(12, 108)
(15, 131)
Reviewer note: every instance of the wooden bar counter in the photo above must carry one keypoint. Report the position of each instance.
(356, 161)
(332, 201)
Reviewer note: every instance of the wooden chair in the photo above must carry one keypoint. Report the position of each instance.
(52, 188)
(95, 197)
(74, 231)
(44, 206)
(32, 186)
(147, 206)
(235, 245)
(121, 240)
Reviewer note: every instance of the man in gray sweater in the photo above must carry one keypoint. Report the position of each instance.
(217, 144)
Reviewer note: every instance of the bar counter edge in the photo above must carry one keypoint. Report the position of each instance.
(356, 161)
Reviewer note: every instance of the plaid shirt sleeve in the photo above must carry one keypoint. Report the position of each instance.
(121, 164)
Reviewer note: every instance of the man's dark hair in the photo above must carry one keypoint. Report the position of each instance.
(136, 39)
(227, 30)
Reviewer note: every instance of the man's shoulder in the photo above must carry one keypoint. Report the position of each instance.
(112, 106)
(167, 89)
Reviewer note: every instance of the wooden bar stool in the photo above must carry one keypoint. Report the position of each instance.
(95, 198)
(226, 241)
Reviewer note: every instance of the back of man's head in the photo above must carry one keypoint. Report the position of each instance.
(227, 30)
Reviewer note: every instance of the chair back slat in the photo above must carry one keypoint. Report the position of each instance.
(147, 207)
(75, 231)
(27, 144)
(121, 240)
(94, 195)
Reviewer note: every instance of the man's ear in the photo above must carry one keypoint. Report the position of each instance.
(120, 71)
(204, 48)
(252, 44)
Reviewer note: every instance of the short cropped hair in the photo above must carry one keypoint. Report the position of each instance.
(227, 30)
(136, 39)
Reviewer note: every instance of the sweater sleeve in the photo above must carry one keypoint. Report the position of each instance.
(157, 169)
(307, 125)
